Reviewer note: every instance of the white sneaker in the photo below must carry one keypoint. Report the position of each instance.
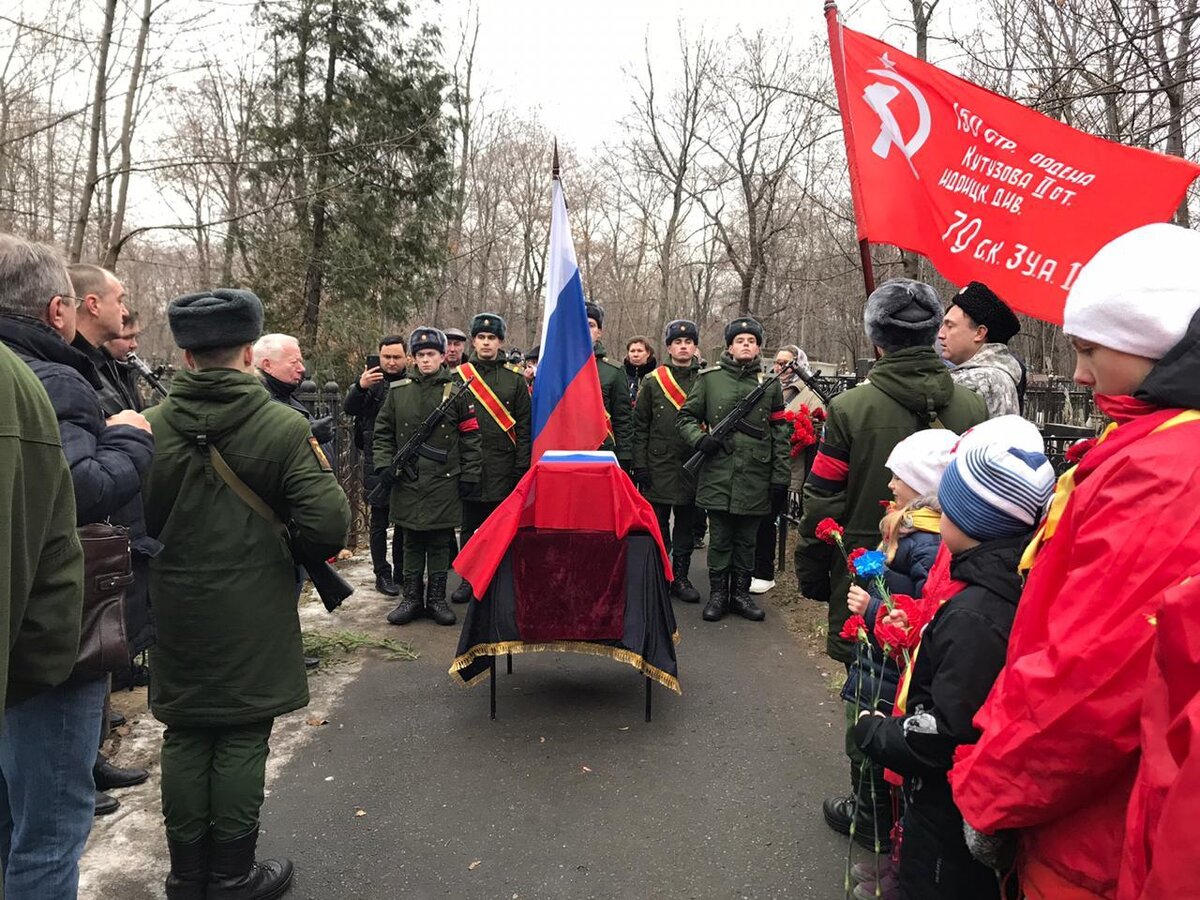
(759, 586)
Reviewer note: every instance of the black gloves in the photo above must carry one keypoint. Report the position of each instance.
(641, 479)
(322, 429)
(469, 490)
(778, 493)
(709, 445)
(385, 476)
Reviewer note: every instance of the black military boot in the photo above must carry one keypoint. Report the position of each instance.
(839, 811)
(718, 596)
(188, 879)
(681, 588)
(435, 600)
(406, 611)
(462, 593)
(742, 601)
(385, 585)
(234, 874)
(109, 777)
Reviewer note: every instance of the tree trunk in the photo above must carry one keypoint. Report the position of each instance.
(314, 277)
(127, 123)
(89, 184)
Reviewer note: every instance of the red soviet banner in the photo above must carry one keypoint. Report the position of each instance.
(989, 190)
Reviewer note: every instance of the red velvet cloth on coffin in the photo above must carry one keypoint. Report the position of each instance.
(570, 586)
(561, 492)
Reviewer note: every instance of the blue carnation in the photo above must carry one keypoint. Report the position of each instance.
(870, 565)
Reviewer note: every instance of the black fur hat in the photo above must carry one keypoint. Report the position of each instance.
(743, 325)
(980, 302)
(488, 323)
(426, 338)
(224, 317)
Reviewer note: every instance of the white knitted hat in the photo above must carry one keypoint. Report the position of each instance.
(920, 459)
(1139, 292)
(1008, 431)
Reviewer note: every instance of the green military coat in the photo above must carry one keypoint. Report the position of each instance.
(738, 479)
(432, 501)
(224, 585)
(41, 562)
(616, 403)
(908, 391)
(504, 460)
(658, 447)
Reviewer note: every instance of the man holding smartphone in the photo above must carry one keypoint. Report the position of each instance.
(363, 401)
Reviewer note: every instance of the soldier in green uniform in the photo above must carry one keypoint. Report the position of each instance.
(659, 451)
(448, 472)
(229, 657)
(502, 407)
(744, 477)
(616, 393)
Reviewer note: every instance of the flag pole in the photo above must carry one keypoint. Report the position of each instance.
(554, 170)
(839, 81)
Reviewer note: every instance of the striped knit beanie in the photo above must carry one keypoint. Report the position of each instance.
(993, 491)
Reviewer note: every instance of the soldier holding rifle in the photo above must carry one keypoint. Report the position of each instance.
(744, 474)
(427, 493)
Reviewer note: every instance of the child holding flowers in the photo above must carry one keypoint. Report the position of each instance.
(992, 497)
(909, 532)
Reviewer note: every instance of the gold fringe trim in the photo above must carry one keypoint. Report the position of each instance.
(620, 654)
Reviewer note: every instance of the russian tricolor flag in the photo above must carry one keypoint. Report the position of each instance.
(568, 408)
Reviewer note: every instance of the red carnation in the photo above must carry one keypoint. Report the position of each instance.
(829, 531)
(818, 414)
(1077, 450)
(854, 554)
(855, 629)
(917, 613)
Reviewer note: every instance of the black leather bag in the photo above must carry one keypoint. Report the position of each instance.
(107, 572)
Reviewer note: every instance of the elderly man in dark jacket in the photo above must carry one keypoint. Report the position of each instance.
(48, 743)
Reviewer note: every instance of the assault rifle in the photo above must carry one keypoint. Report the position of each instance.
(733, 420)
(147, 373)
(404, 463)
(815, 384)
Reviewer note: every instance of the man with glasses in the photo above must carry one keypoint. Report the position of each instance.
(48, 742)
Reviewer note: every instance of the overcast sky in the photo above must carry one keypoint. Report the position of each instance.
(568, 59)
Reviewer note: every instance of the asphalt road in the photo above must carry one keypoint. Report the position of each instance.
(411, 791)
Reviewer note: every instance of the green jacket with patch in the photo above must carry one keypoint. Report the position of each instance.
(224, 586)
(908, 391)
(616, 403)
(432, 501)
(737, 479)
(41, 562)
(658, 447)
(504, 460)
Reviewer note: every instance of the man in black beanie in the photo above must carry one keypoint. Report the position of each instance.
(233, 470)
(910, 390)
(974, 337)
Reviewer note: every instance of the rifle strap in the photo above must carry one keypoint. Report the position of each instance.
(243, 491)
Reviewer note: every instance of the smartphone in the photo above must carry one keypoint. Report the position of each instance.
(373, 361)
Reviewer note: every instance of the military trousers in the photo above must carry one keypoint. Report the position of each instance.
(475, 513)
(731, 541)
(427, 550)
(379, 544)
(678, 540)
(213, 778)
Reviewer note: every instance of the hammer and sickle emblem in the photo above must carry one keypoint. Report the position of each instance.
(878, 96)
